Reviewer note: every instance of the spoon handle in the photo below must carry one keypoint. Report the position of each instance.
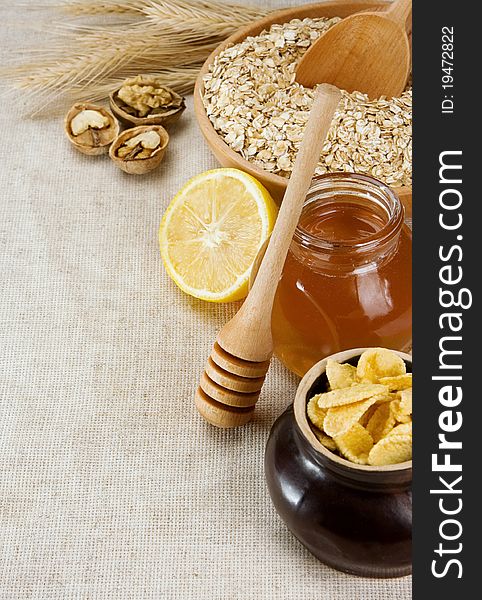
(399, 11)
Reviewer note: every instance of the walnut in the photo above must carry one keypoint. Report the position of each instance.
(140, 149)
(90, 128)
(86, 119)
(143, 100)
(140, 146)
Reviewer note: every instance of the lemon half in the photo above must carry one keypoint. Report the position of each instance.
(212, 231)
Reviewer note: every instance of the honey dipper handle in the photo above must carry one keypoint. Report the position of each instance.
(262, 294)
(248, 334)
(399, 11)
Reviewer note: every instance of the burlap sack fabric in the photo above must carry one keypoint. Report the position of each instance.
(111, 486)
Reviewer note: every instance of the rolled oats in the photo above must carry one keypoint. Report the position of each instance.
(256, 106)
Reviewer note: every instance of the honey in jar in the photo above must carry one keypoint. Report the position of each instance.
(347, 279)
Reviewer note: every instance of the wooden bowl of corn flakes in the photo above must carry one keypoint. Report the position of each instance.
(231, 151)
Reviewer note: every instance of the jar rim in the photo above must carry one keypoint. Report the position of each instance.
(341, 465)
(325, 184)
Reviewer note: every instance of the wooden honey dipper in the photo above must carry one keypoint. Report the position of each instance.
(235, 371)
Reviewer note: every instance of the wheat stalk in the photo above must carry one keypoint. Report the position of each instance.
(85, 62)
(87, 7)
(205, 9)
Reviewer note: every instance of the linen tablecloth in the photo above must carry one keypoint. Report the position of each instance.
(111, 485)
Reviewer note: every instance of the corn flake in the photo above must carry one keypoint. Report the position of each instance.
(355, 393)
(398, 413)
(406, 401)
(368, 415)
(379, 362)
(342, 418)
(340, 375)
(402, 407)
(315, 413)
(402, 429)
(391, 450)
(382, 422)
(398, 383)
(355, 444)
(325, 439)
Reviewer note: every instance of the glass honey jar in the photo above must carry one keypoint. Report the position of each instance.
(347, 279)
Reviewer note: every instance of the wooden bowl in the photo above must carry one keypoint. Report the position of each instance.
(355, 518)
(226, 155)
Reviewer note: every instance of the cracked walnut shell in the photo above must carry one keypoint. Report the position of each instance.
(140, 149)
(91, 129)
(143, 100)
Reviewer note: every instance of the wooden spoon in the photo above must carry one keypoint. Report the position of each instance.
(236, 369)
(367, 51)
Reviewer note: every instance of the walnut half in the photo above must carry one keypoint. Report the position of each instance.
(90, 128)
(140, 149)
(143, 100)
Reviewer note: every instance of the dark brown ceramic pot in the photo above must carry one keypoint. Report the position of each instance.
(355, 518)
